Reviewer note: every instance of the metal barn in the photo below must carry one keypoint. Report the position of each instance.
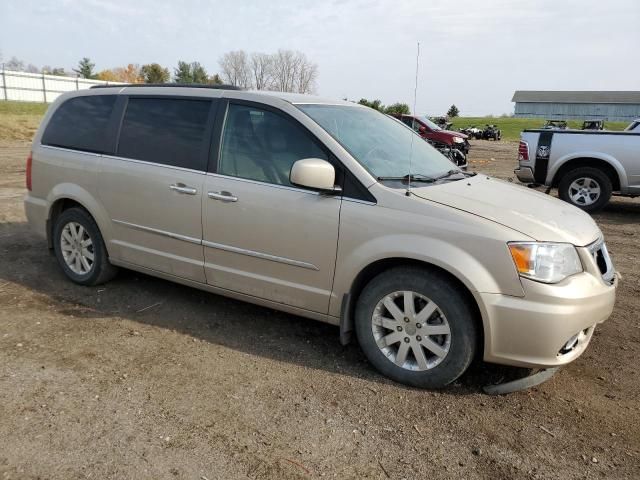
(584, 105)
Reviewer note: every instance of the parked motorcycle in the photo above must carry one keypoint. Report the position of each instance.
(593, 125)
(491, 132)
(472, 132)
(555, 125)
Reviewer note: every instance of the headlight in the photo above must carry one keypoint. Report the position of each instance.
(545, 262)
(458, 140)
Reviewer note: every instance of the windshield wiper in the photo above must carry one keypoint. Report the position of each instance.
(414, 177)
(454, 172)
(419, 177)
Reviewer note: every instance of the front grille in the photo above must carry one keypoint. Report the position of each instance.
(601, 256)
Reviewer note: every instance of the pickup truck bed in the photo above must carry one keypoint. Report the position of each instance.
(586, 166)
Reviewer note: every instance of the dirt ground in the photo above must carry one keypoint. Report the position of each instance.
(142, 378)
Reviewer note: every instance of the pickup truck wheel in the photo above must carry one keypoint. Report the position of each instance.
(416, 327)
(586, 187)
(80, 249)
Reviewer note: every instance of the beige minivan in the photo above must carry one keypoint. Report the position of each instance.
(324, 209)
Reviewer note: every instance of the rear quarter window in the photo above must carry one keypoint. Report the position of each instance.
(81, 123)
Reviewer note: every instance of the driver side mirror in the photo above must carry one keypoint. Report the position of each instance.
(314, 173)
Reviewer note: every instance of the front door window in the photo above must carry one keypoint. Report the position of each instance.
(262, 145)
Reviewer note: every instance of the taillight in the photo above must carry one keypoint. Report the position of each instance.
(523, 151)
(29, 164)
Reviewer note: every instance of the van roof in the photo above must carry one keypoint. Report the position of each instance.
(294, 98)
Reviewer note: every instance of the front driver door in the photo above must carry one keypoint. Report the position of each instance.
(263, 236)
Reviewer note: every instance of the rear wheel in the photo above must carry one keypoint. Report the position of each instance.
(80, 249)
(416, 327)
(586, 187)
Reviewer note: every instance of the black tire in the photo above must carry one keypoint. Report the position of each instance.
(597, 176)
(446, 295)
(101, 270)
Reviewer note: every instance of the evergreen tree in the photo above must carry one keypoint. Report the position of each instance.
(182, 74)
(453, 111)
(85, 68)
(198, 73)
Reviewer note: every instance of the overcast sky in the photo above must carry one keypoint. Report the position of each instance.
(474, 53)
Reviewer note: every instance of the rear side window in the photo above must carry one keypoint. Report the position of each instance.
(81, 123)
(165, 130)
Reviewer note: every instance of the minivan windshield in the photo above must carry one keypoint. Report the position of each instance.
(379, 143)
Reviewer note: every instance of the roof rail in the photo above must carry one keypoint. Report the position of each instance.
(184, 85)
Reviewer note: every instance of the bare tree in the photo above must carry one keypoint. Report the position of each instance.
(285, 67)
(284, 71)
(235, 68)
(307, 75)
(261, 68)
(293, 72)
(15, 64)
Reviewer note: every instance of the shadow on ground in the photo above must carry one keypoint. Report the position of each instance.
(25, 260)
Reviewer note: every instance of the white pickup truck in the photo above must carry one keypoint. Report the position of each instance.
(586, 166)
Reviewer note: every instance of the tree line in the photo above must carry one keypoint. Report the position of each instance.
(393, 109)
(399, 108)
(284, 71)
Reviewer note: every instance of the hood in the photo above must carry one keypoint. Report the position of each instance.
(539, 216)
(454, 134)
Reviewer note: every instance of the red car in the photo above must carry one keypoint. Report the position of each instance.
(432, 132)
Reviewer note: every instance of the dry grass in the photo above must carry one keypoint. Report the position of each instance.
(20, 120)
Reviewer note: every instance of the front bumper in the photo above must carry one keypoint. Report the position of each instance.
(524, 174)
(550, 326)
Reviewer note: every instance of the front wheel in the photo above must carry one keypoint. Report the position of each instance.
(586, 188)
(416, 328)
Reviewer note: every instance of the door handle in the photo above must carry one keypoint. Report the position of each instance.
(223, 196)
(182, 188)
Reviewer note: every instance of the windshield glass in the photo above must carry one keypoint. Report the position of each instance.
(379, 143)
(424, 119)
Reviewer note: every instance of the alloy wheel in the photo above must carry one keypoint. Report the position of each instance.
(411, 330)
(77, 250)
(584, 191)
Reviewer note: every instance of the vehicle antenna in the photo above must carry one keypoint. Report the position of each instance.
(413, 121)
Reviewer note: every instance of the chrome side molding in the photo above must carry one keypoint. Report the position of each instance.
(264, 256)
